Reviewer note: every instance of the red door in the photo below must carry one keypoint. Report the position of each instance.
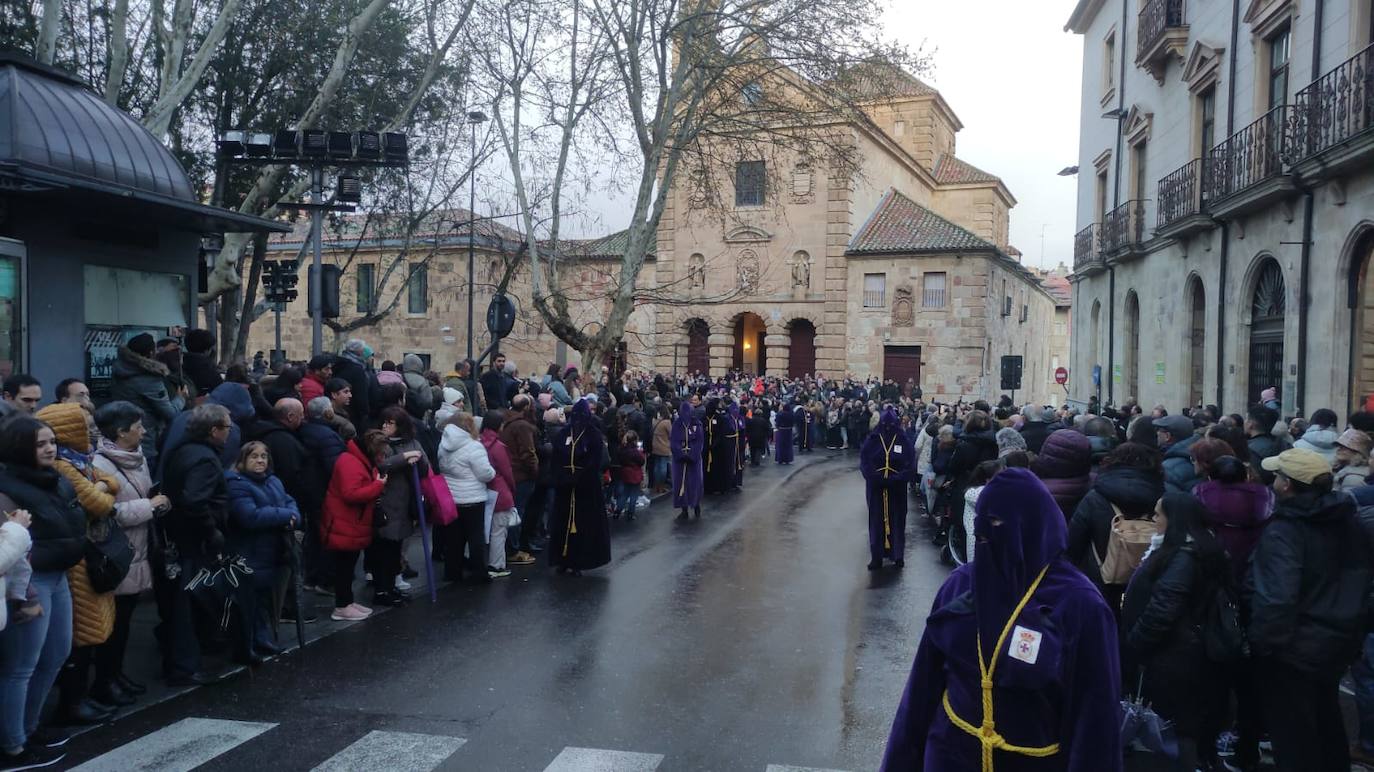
(802, 353)
(902, 362)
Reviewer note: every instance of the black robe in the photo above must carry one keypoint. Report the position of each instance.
(720, 452)
(579, 536)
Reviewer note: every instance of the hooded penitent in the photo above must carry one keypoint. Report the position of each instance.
(738, 439)
(887, 460)
(1040, 631)
(719, 473)
(782, 441)
(579, 537)
(687, 441)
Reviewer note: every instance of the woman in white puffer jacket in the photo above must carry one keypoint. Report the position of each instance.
(463, 463)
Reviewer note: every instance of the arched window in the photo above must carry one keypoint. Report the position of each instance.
(1268, 308)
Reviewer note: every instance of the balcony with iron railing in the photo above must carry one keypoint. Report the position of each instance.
(1182, 207)
(1334, 115)
(1123, 230)
(1250, 168)
(1087, 251)
(1162, 32)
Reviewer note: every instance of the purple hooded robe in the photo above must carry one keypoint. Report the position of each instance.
(737, 429)
(687, 440)
(1055, 675)
(783, 451)
(887, 460)
(579, 537)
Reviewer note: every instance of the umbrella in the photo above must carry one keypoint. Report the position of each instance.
(424, 534)
(293, 553)
(1140, 724)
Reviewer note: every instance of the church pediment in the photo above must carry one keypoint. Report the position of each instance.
(1202, 68)
(747, 234)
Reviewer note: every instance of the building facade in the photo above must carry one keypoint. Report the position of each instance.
(898, 267)
(1225, 203)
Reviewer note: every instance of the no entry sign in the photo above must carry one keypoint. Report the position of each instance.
(1061, 376)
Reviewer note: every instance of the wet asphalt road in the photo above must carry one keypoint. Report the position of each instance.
(751, 637)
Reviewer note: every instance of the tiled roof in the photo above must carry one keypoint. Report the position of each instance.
(876, 80)
(443, 225)
(950, 170)
(1060, 288)
(613, 245)
(899, 224)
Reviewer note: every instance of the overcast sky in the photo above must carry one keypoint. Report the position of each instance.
(1011, 74)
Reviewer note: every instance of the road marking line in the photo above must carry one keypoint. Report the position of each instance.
(783, 768)
(598, 760)
(394, 752)
(181, 747)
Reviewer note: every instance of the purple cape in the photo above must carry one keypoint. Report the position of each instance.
(687, 440)
(1063, 687)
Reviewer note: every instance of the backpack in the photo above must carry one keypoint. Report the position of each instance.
(1223, 638)
(1126, 545)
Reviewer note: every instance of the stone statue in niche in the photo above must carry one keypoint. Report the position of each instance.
(801, 270)
(696, 271)
(749, 271)
(902, 310)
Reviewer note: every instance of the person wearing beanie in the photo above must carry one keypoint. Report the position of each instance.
(139, 378)
(352, 367)
(1351, 466)
(198, 362)
(452, 403)
(1064, 465)
(1008, 441)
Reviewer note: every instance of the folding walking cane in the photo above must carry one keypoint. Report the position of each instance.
(424, 534)
(293, 552)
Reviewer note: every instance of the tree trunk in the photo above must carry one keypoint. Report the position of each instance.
(159, 117)
(47, 34)
(119, 51)
(250, 291)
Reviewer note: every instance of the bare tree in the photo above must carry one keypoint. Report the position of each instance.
(698, 84)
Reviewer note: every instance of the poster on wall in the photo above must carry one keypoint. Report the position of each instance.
(1159, 372)
(102, 349)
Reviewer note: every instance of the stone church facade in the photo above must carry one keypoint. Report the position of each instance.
(899, 270)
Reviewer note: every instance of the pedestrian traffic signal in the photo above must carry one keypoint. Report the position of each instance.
(1011, 372)
(279, 281)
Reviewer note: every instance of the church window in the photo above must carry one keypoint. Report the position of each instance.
(875, 290)
(750, 178)
(933, 291)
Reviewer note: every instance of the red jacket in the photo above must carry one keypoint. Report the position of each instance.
(310, 388)
(632, 466)
(346, 522)
(504, 481)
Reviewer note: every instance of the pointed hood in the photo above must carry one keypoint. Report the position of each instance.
(1029, 533)
(888, 422)
(581, 417)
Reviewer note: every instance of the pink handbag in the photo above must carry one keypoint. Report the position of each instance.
(438, 499)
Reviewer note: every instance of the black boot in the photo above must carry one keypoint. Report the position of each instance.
(683, 515)
(109, 693)
(874, 565)
(130, 686)
(698, 511)
(83, 713)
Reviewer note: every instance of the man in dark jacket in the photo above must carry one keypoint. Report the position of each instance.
(194, 482)
(198, 362)
(495, 383)
(1037, 426)
(231, 396)
(351, 366)
(323, 446)
(1259, 430)
(1176, 437)
(1309, 585)
(142, 380)
(290, 462)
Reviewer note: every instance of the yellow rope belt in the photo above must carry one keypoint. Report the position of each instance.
(686, 448)
(987, 734)
(572, 498)
(887, 470)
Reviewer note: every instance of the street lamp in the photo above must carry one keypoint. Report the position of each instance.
(474, 117)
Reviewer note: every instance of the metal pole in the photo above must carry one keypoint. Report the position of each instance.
(276, 310)
(316, 287)
(472, 236)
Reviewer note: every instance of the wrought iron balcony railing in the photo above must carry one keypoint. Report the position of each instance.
(1124, 226)
(1252, 155)
(1087, 248)
(1156, 18)
(1180, 193)
(1336, 107)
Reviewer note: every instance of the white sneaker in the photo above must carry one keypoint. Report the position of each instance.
(364, 609)
(498, 573)
(402, 584)
(348, 614)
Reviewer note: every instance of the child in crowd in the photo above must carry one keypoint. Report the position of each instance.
(631, 472)
(15, 572)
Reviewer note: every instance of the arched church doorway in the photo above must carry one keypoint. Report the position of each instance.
(802, 349)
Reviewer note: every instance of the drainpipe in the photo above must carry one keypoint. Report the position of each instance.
(1116, 201)
(1225, 256)
(1305, 259)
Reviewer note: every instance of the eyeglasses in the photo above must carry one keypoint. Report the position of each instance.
(224, 426)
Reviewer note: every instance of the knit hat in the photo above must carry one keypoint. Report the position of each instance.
(1355, 440)
(452, 396)
(142, 344)
(545, 400)
(68, 422)
(1008, 441)
(1269, 394)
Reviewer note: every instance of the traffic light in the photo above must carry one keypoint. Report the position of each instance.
(1011, 372)
(286, 279)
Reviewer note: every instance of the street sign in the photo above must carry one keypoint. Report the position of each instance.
(500, 316)
(1061, 376)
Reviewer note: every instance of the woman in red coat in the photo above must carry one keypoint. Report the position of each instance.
(346, 522)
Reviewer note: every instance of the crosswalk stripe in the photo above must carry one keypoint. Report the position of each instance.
(784, 768)
(598, 760)
(181, 747)
(394, 752)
